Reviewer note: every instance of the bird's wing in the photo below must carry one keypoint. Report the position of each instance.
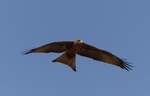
(52, 47)
(102, 55)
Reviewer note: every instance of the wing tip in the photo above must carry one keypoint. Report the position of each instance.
(55, 60)
(127, 66)
(27, 52)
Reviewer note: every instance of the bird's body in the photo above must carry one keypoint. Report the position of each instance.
(71, 48)
(69, 56)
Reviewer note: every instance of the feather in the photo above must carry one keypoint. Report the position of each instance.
(56, 47)
(104, 56)
(67, 58)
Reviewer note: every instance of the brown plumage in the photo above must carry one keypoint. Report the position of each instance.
(71, 48)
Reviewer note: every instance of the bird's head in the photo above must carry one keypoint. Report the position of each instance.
(79, 41)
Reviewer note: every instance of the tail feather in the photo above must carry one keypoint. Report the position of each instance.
(67, 59)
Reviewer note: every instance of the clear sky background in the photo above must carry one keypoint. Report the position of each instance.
(119, 26)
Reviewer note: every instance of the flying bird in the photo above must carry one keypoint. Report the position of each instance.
(69, 49)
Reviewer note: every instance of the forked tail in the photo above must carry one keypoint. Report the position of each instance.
(67, 58)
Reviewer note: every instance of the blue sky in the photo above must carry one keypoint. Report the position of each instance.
(119, 26)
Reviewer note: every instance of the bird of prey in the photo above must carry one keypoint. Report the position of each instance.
(71, 48)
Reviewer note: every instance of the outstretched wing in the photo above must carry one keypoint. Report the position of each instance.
(52, 47)
(102, 55)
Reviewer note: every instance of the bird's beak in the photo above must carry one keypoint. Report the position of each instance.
(81, 41)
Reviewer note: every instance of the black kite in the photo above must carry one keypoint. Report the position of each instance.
(71, 48)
